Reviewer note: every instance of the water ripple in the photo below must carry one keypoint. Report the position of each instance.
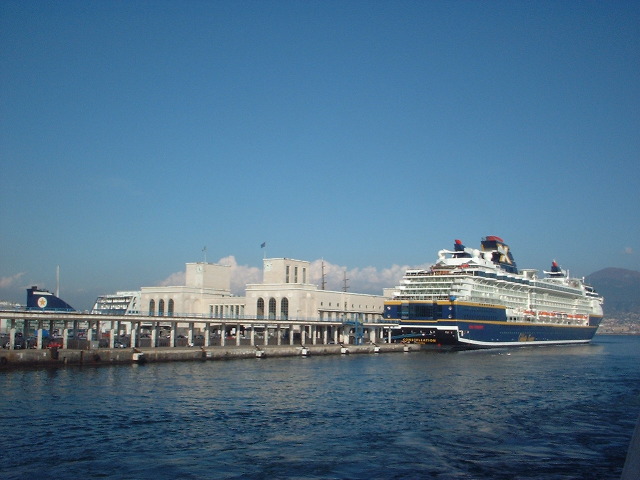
(534, 413)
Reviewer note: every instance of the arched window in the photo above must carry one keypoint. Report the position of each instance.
(260, 312)
(152, 307)
(272, 308)
(284, 308)
(161, 307)
(170, 309)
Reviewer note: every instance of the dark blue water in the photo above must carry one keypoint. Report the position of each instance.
(531, 413)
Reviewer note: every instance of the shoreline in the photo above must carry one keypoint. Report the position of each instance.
(54, 358)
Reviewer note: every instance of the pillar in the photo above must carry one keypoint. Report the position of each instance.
(266, 335)
(39, 334)
(154, 334)
(223, 334)
(238, 334)
(303, 334)
(290, 334)
(279, 334)
(89, 332)
(174, 335)
(12, 334)
(190, 335)
(135, 330)
(253, 335)
(65, 335)
(207, 334)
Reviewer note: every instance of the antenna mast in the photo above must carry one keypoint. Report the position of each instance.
(58, 281)
(345, 286)
(323, 277)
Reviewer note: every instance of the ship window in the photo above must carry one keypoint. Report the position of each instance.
(170, 308)
(161, 307)
(152, 307)
(284, 308)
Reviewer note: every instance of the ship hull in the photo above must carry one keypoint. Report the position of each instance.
(483, 334)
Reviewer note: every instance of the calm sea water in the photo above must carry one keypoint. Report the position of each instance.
(564, 412)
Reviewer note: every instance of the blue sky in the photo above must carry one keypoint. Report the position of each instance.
(367, 133)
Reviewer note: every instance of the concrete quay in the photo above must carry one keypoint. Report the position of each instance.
(13, 359)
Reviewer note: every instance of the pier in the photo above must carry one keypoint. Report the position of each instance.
(84, 338)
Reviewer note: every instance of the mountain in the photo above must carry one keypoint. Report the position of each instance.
(620, 289)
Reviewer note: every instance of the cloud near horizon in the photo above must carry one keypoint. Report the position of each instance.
(367, 280)
(6, 282)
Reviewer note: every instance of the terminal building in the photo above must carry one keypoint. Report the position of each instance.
(286, 293)
(206, 292)
(284, 308)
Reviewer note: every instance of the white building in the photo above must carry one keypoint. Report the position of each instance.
(206, 292)
(286, 294)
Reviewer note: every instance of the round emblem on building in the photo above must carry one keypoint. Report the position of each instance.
(42, 302)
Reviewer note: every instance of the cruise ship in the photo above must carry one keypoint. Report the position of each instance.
(477, 298)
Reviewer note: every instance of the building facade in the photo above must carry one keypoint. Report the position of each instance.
(286, 294)
(207, 290)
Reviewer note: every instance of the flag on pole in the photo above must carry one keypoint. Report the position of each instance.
(264, 244)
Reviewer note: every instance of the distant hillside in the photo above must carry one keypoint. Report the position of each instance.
(620, 289)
